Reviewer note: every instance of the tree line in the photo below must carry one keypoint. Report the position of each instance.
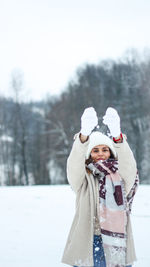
(36, 137)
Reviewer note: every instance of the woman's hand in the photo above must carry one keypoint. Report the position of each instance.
(89, 121)
(112, 120)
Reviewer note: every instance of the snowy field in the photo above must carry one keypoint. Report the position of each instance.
(35, 221)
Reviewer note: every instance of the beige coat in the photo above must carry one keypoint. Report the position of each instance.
(79, 246)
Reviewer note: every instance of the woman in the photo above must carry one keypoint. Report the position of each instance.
(103, 174)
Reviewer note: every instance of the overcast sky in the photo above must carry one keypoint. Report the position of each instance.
(48, 40)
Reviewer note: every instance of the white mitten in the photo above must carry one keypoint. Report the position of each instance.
(112, 120)
(89, 121)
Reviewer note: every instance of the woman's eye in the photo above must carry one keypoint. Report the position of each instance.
(104, 150)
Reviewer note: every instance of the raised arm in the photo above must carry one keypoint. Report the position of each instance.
(76, 161)
(127, 163)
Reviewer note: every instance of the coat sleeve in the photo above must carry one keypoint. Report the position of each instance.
(127, 164)
(76, 164)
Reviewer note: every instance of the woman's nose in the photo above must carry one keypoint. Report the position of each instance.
(100, 153)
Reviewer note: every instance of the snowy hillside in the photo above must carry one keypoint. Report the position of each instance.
(35, 222)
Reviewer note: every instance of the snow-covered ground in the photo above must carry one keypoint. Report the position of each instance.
(35, 221)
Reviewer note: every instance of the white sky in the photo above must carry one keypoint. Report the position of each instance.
(48, 40)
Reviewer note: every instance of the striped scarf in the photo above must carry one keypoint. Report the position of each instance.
(114, 210)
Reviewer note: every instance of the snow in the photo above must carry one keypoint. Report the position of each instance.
(6, 138)
(39, 111)
(35, 222)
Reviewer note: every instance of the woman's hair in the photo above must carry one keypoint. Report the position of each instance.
(111, 154)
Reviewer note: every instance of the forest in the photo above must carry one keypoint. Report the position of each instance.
(36, 137)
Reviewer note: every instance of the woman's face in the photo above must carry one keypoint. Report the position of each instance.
(100, 152)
